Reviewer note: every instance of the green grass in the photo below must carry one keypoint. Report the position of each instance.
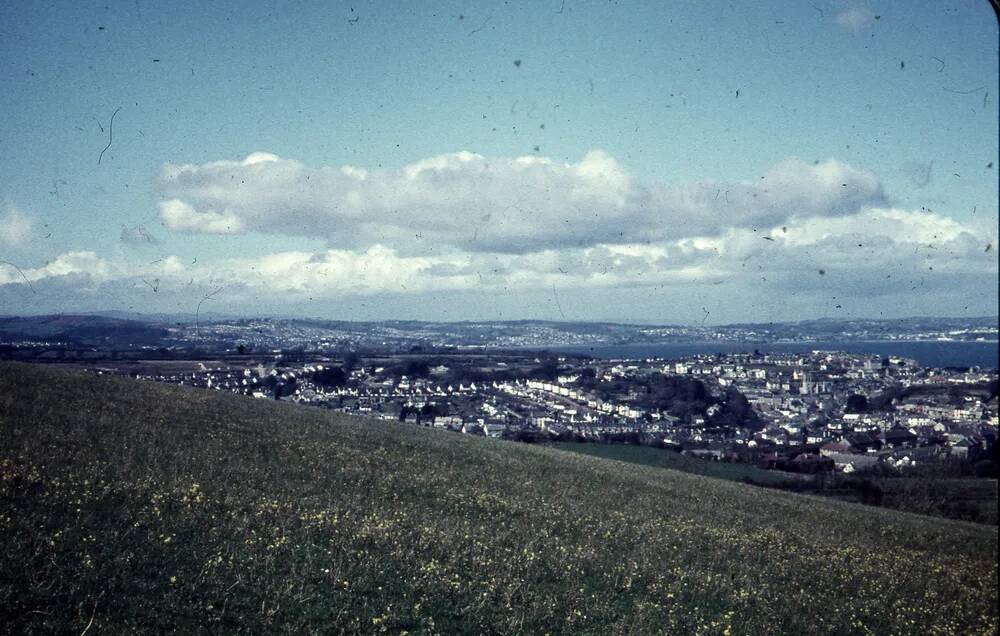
(968, 498)
(649, 456)
(132, 507)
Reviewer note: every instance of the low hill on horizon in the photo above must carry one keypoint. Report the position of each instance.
(128, 329)
(137, 507)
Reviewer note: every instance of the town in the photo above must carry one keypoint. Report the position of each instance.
(809, 413)
(68, 337)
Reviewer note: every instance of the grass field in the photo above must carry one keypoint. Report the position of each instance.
(133, 507)
(968, 498)
(649, 456)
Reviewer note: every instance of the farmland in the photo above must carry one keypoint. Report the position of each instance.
(137, 507)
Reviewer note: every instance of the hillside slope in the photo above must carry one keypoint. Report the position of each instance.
(128, 506)
(966, 499)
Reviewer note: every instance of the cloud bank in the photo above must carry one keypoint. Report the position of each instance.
(515, 228)
(503, 205)
(875, 252)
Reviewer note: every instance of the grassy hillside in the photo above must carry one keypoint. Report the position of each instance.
(969, 498)
(649, 456)
(139, 507)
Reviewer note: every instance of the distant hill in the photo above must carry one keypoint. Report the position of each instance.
(137, 507)
(86, 329)
(121, 331)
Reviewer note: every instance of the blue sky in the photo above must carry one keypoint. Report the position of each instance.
(666, 141)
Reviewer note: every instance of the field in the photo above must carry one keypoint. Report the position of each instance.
(136, 507)
(971, 499)
(968, 499)
(648, 456)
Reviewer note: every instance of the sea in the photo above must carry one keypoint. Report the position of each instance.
(927, 353)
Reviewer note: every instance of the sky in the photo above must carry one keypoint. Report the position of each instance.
(673, 163)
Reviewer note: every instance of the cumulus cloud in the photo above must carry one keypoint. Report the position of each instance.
(15, 227)
(70, 263)
(505, 205)
(855, 19)
(87, 269)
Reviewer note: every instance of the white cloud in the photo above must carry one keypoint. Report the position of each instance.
(860, 257)
(511, 205)
(177, 215)
(15, 227)
(84, 262)
(259, 157)
(855, 19)
(901, 226)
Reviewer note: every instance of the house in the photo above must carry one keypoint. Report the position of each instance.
(809, 463)
(834, 448)
(899, 437)
(494, 430)
(960, 449)
(470, 428)
(815, 436)
(864, 442)
(557, 429)
(850, 463)
(448, 421)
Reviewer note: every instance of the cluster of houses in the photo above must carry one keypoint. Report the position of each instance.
(815, 412)
(811, 426)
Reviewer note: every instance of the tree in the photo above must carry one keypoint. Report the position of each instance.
(351, 361)
(433, 409)
(856, 403)
(871, 493)
(288, 388)
(680, 396)
(417, 369)
(330, 377)
(549, 370)
(736, 412)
